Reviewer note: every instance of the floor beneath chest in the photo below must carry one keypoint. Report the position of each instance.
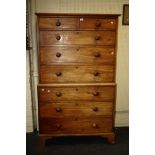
(80, 145)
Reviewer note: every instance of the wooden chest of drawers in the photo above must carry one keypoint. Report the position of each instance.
(77, 63)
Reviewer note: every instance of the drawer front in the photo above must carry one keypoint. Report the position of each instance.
(63, 109)
(75, 125)
(91, 93)
(58, 23)
(66, 73)
(49, 55)
(77, 38)
(97, 24)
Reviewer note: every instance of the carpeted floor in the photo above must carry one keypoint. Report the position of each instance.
(80, 145)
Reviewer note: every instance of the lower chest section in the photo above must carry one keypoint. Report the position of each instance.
(76, 109)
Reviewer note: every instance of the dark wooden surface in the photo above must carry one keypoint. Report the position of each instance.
(64, 15)
(75, 125)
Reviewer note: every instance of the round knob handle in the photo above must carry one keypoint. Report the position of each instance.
(98, 24)
(48, 91)
(58, 126)
(58, 37)
(58, 109)
(58, 94)
(95, 109)
(58, 23)
(97, 37)
(97, 55)
(96, 73)
(94, 125)
(112, 22)
(58, 54)
(95, 93)
(58, 74)
(42, 89)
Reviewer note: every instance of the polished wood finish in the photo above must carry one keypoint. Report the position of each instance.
(63, 109)
(97, 23)
(76, 73)
(77, 37)
(58, 23)
(91, 93)
(75, 84)
(77, 65)
(80, 55)
(75, 125)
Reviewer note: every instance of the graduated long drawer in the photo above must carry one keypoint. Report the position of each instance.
(76, 73)
(76, 93)
(63, 109)
(75, 125)
(71, 54)
(77, 37)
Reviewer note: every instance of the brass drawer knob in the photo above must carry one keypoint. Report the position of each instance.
(95, 109)
(96, 93)
(97, 55)
(94, 125)
(58, 109)
(96, 73)
(58, 37)
(98, 38)
(58, 23)
(58, 54)
(58, 126)
(58, 94)
(42, 89)
(112, 22)
(48, 91)
(58, 74)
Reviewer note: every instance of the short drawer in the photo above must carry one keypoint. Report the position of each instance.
(77, 37)
(76, 73)
(63, 109)
(87, 55)
(58, 23)
(97, 23)
(75, 125)
(75, 93)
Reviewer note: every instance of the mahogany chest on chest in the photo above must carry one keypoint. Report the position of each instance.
(77, 63)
